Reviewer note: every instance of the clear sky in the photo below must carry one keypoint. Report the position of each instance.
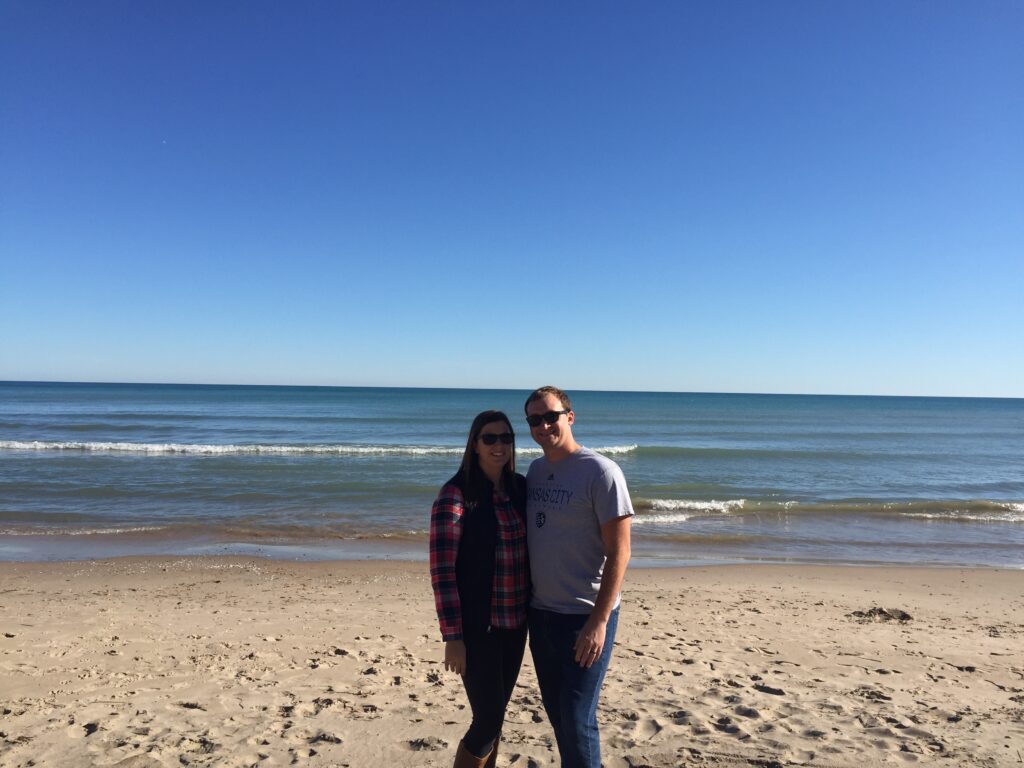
(699, 196)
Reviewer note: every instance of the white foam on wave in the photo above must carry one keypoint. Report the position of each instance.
(607, 450)
(199, 449)
(682, 510)
(699, 507)
(1009, 516)
(616, 450)
(80, 531)
(670, 517)
(979, 511)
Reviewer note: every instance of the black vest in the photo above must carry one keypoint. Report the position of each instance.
(474, 564)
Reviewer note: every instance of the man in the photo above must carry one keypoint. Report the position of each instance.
(578, 532)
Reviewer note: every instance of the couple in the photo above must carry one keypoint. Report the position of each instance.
(548, 551)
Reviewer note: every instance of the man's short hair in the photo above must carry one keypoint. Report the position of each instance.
(541, 392)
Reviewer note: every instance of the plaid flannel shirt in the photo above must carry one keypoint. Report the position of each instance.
(510, 590)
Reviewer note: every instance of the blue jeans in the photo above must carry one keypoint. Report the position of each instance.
(569, 691)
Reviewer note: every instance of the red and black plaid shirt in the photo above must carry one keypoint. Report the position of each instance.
(510, 590)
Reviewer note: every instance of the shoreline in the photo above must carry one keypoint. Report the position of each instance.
(648, 552)
(145, 662)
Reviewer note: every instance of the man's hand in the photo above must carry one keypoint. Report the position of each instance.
(590, 642)
(455, 656)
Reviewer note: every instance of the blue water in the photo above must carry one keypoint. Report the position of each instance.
(91, 470)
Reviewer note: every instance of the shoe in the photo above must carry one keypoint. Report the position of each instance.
(492, 759)
(466, 759)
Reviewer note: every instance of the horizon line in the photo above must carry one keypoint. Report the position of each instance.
(502, 389)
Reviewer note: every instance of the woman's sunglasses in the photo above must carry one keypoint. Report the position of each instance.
(505, 437)
(548, 418)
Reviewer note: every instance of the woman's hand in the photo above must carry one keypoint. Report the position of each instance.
(455, 656)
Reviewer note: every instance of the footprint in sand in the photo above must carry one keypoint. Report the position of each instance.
(522, 761)
(647, 729)
(137, 761)
(725, 724)
(428, 743)
(643, 727)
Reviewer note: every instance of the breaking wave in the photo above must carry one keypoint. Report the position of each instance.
(203, 449)
(975, 511)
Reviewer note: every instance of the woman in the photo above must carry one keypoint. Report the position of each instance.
(480, 575)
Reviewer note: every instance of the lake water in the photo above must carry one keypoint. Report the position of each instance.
(90, 470)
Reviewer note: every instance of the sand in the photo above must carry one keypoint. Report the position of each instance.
(240, 662)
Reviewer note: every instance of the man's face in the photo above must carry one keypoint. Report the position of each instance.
(554, 435)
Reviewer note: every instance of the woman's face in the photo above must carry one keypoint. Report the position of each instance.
(494, 457)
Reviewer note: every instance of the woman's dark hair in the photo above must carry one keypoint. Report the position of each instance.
(470, 467)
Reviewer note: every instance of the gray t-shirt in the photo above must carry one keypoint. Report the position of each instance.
(567, 503)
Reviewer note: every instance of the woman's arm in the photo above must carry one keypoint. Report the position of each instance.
(445, 531)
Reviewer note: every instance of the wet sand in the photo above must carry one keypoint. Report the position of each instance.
(243, 662)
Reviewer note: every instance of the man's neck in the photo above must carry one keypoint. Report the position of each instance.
(555, 455)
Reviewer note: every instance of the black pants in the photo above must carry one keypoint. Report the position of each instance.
(493, 659)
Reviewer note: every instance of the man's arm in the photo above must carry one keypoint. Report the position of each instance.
(615, 538)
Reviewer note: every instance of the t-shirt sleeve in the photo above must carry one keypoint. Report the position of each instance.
(611, 496)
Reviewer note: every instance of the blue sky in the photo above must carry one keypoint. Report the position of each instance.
(693, 196)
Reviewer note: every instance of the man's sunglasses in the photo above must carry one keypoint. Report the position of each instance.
(505, 437)
(548, 418)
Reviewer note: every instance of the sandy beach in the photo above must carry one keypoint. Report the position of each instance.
(243, 662)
